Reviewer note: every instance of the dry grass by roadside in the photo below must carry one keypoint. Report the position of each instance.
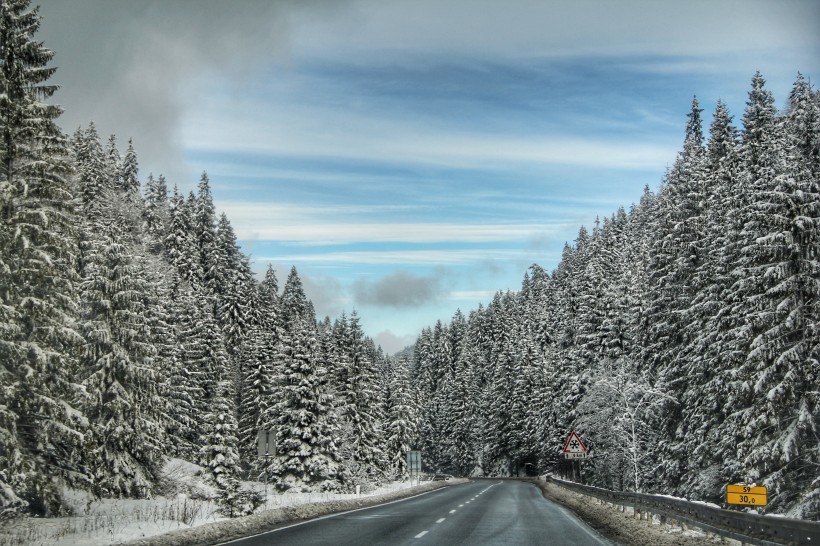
(622, 527)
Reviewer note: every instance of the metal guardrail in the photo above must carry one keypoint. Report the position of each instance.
(742, 526)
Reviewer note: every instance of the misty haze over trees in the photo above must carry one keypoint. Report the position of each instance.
(679, 338)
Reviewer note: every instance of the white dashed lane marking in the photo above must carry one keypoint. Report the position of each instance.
(439, 520)
(420, 534)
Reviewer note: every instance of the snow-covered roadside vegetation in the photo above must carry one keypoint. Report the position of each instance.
(188, 502)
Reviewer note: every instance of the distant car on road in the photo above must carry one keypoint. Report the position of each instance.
(442, 477)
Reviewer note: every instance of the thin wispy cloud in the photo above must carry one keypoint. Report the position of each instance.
(334, 234)
(413, 146)
(399, 258)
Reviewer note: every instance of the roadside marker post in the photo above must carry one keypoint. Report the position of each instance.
(414, 465)
(266, 448)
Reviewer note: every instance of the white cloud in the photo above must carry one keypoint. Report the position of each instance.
(316, 132)
(337, 225)
(400, 257)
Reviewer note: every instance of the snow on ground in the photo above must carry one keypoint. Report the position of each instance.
(184, 516)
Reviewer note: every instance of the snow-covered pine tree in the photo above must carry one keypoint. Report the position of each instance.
(306, 429)
(401, 419)
(113, 164)
(91, 170)
(184, 385)
(41, 432)
(219, 452)
(708, 358)
(526, 383)
(129, 170)
(461, 442)
(203, 216)
(156, 213)
(118, 373)
(293, 303)
(260, 352)
(181, 244)
(360, 407)
(674, 257)
(760, 154)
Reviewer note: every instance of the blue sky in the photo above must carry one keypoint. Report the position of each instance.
(413, 157)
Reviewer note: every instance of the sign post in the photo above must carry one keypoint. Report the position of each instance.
(746, 495)
(414, 465)
(265, 448)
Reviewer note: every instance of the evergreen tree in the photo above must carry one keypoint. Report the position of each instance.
(359, 406)
(261, 352)
(128, 171)
(306, 430)
(181, 244)
(219, 453)
(91, 170)
(118, 374)
(41, 434)
(156, 213)
(185, 384)
(401, 419)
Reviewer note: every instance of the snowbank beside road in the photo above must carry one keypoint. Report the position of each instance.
(222, 531)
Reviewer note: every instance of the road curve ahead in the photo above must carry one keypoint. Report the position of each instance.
(482, 512)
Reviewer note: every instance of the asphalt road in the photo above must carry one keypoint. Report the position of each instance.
(482, 512)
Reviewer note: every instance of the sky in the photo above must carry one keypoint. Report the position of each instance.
(413, 157)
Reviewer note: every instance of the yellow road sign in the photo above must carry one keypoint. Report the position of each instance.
(746, 495)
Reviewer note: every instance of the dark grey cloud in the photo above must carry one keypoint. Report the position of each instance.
(399, 289)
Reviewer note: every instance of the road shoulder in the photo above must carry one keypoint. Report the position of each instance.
(228, 530)
(619, 527)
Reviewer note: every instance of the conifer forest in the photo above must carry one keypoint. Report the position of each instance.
(679, 336)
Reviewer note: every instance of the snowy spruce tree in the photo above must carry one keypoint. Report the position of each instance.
(119, 373)
(401, 419)
(359, 405)
(41, 430)
(260, 354)
(303, 412)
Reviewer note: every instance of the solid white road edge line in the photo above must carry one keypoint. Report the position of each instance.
(328, 516)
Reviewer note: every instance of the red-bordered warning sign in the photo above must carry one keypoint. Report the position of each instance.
(574, 444)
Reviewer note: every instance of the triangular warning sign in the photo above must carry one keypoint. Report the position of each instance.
(574, 444)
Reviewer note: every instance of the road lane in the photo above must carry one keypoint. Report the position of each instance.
(482, 512)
